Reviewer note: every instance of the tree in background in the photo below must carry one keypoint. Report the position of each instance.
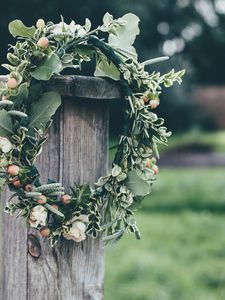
(191, 31)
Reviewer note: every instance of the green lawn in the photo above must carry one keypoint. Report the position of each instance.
(182, 252)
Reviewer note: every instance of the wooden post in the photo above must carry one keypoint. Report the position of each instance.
(76, 151)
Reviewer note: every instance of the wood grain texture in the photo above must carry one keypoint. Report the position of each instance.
(75, 151)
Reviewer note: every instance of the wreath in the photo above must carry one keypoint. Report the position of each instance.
(26, 110)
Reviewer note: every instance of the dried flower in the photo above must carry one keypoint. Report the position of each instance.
(38, 216)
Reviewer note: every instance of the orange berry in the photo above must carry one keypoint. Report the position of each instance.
(45, 231)
(13, 170)
(12, 83)
(153, 103)
(148, 164)
(16, 183)
(155, 169)
(41, 199)
(43, 42)
(65, 199)
(40, 23)
(28, 187)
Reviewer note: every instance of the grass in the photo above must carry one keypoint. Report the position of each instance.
(182, 252)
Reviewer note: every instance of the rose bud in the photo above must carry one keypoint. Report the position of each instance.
(41, 199)
(43, 42)
(45, 231)
(13, 170)
(40, 23)
(65, 199)
(12, 83)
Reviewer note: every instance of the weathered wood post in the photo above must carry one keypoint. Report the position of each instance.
(76, 151)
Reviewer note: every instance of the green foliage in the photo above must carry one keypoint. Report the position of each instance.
(6, 127)
(51, 65)
(136, 184)
(42, 110)
(17, 28)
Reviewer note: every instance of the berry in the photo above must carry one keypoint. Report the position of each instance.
(28, 187)
(55, 206)
(45, 231)
(145, 98)
(13, 170)
(40, 23)
(148, 164)
(155, 169)
(16, 183)
(65, 199)
(41, 199)
(43, 42)
(12, 83)
(153, 103)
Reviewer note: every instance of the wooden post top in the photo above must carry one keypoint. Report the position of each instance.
(82, 87)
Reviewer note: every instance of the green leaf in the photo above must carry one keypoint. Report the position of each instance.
(42, 110)
(5, 123)
(51, 65)
(106, 69)
(20, 96)
(137, 185)
(126, 35)
(17, 28)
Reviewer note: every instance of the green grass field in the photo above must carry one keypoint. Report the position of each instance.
(182, 252)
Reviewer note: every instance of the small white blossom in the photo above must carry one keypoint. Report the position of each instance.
(71, 28)
(38, 216)
(5, 144)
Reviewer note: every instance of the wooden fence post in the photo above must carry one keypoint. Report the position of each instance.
(76, 151)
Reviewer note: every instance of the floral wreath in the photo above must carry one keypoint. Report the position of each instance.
(108, 206)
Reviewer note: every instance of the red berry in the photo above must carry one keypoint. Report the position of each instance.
(45, 231)
(155, 169)
(43, 42)
(13, 170)
(28, 187)
(65, 199)
(12, 83)
(40, 23)
(41, 199)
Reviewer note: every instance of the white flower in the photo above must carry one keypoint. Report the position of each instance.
(38, 216)
(71, 28)
(77, 231)
(5, 144)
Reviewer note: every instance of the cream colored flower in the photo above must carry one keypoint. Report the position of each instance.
(77, 231)
(38, 216)
(72, 28)
(5, 144)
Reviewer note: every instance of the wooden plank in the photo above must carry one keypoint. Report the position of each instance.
(76, 86)
(76, 151)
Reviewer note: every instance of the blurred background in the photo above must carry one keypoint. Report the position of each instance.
(182, 252)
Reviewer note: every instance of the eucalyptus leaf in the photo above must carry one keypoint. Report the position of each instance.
(5, 123)
(51, 65)
(17, 28)
(42, 110)
(137, 185)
